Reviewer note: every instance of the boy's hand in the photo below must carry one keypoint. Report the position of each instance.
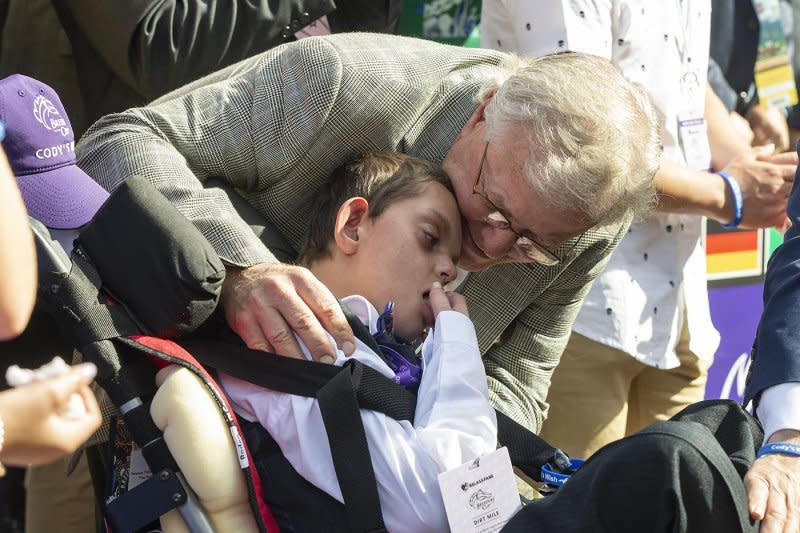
(446, 301)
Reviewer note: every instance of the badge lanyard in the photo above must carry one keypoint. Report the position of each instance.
(692, 131)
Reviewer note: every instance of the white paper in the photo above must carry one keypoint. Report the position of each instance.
(480, 496)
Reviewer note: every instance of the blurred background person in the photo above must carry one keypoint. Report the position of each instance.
(735, 49)
(643, 340)
(105, 56)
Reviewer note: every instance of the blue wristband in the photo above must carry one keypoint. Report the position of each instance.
(556, 479)
(738, 200)
(784, 448)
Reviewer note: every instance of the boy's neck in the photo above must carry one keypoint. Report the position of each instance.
(333, 275)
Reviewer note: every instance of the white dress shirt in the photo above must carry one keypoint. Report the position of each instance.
(454, 423)
(636, 304)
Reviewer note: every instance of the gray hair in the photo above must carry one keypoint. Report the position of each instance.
(594, 136)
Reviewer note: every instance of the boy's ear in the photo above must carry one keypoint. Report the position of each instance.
(349, 220)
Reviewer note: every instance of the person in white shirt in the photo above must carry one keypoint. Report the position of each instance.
(643, 340)
(389, 230)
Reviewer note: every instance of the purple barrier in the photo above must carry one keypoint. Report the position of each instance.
(735, 312)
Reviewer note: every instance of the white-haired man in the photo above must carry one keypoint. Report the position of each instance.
(525, 142)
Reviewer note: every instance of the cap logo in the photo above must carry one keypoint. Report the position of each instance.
(48, 116)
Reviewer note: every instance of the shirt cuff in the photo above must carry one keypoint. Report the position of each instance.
(779, 408)
(452, 326)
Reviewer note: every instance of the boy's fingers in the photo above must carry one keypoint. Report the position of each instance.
(438, 299)
(458, 302)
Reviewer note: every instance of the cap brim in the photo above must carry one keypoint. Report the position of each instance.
(62, 198)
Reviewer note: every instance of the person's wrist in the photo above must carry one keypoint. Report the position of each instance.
(780, 448)
(734, 192)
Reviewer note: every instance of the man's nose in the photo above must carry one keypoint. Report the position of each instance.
(495, 243)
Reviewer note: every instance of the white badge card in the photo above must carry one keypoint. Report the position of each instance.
(693, 138)
(480, 496)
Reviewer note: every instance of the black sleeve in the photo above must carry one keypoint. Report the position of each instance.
(158, 45)
(716, 78)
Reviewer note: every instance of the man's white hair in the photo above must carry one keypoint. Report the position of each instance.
(593, 137)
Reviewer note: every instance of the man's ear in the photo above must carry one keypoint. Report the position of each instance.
(349, 221)
(479, 115)
(487, 97)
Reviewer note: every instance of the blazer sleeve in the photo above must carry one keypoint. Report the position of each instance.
(776, 353)
(159, 45)
(520, 362)
(246, 125)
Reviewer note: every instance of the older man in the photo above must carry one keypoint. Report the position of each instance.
(549, 160)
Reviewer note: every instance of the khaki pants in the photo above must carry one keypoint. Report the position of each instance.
(600, 394)
(57, 503)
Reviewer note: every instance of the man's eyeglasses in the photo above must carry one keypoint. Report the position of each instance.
(528, 246)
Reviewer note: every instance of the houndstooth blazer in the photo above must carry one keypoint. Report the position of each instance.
(276, 125)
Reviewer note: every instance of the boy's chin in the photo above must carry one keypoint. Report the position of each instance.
(409, 334)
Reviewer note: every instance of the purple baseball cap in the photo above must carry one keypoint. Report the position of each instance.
(40, 146)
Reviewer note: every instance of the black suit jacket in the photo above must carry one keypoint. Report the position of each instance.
(129, 52)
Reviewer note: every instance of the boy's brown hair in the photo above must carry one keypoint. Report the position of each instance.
(381, 178)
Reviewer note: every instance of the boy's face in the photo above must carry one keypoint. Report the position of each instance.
(413, 243)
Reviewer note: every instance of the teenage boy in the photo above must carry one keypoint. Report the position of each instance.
(387, 229)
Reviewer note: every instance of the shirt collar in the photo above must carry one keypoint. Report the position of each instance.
(364, 310)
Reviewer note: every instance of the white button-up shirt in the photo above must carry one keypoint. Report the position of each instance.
(453, 423)
(635, 305)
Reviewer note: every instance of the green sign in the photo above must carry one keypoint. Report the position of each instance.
(447, 21)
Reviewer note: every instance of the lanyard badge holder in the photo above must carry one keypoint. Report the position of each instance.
(691, 127)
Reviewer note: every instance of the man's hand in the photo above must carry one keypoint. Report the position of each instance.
(773, 488)
(446, 301)
(766, 181)
(266, 304)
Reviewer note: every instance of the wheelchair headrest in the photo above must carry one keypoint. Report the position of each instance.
(153, 260)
